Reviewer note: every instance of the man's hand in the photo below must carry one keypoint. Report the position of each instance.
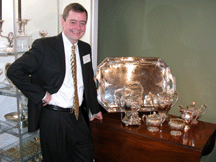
(47, 99)
(97, 116)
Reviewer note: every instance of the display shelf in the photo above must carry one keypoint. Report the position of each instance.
(7, 139)
(17, 141)
(12, 128)
(30, 149)
(8, 91)
(15, 131)
(6, 127)
(10, 157)
(11, 53)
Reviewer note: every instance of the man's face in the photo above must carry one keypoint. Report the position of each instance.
(75, 25)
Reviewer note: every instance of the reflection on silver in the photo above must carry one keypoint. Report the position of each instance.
(176, 125)
(116, 72)
(191, 113)
(163, 102)
(129, 98)
(153, 121)
(197, 111)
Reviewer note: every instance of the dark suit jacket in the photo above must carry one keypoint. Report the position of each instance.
(42, 69)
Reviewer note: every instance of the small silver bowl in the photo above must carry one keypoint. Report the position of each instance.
(177, 125)
(14, 117)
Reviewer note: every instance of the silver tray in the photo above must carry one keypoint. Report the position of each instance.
(115, 72)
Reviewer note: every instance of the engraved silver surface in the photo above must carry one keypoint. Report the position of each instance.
(197, 111)
(153, 120)
(176, 125)
(129, 99)
(115, 72)
(163, 102)
(191, 113)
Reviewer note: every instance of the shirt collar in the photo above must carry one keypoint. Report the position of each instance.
(66, 41)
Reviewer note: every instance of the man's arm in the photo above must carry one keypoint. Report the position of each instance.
(19, 73)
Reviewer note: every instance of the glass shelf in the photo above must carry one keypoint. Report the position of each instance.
(5, 127)
(9, 157)
(10, 53)
(12, 128)
(30, 149)
(8, 92)
(17, 141)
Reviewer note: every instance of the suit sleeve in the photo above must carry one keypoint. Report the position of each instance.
(90, 86)
(20, 72)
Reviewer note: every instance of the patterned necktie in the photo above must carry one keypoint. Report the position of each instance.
(74, 75)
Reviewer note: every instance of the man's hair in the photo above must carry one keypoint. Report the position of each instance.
(76, 7)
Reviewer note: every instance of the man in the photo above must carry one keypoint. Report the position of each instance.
(44, 75)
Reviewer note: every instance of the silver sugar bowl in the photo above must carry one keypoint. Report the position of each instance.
(176, 125)
(153, 121)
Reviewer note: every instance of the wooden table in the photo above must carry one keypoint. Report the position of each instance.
(115, 142)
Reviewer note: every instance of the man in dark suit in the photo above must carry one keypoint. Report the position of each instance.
(44, 76)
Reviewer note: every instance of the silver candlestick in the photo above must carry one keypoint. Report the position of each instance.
(23, 40)
(22, 23)
(10, 38)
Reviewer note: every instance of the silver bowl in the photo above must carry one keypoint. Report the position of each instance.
(14, 117)
(177, 125)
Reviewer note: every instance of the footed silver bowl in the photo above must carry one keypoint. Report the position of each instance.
(15, 118)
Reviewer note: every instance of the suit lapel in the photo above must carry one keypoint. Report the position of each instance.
(85, 70)
(81, 54)
(60, 53)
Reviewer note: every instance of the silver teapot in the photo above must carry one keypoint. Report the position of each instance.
(197, 111)
(191, 113)
(163, 101)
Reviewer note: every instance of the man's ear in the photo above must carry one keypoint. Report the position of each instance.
(62, 21)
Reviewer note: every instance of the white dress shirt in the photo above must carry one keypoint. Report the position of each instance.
(64, 97)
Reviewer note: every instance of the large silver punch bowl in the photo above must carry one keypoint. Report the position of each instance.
(115, 73)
